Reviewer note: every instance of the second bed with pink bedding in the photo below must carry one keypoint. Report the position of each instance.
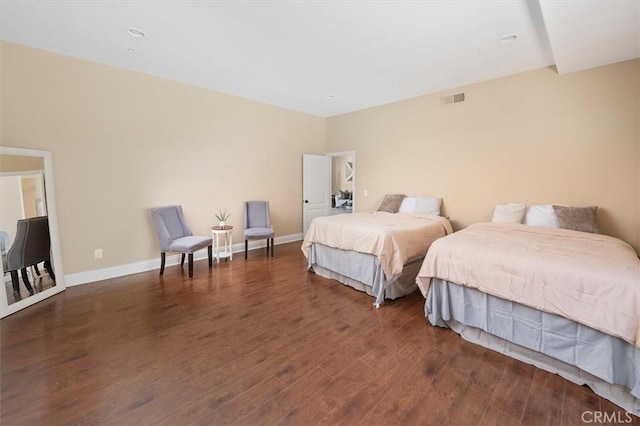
(563, 300)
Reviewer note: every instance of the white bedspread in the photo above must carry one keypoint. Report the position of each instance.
(395, 238)
(590, 278)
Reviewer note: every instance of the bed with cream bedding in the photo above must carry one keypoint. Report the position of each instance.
(377, 252)
(563, 300)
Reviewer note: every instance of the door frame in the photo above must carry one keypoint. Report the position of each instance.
(354, 180)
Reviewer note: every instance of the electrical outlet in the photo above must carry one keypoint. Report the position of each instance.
(97, 254)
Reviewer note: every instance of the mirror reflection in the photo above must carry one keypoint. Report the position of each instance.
(342, 184)
(25, 240)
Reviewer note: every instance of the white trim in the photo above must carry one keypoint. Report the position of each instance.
(149, 265)
(353, 181)
(340, 154)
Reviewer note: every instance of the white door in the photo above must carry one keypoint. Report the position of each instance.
(316, 188)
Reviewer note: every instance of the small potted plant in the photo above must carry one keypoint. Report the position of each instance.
(222, 217)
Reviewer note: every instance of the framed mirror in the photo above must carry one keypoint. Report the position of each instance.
(26, 197)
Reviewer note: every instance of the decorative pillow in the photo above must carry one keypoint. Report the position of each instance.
(509, 213)
(408, 205)
(428, 205)
(391, 203)
(577, 218)
(541, 215)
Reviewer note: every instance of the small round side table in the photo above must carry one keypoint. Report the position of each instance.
(225, 251)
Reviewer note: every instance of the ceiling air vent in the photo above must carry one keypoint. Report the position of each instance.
(452, 99)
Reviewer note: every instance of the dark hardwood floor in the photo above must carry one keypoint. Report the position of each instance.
(257, 342)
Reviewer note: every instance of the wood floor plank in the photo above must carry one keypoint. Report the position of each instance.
(289, 399)
(437, 401)
(539, 411)
(494, 416)
(240, 406)
(548, 386)
(581, 397)
(512, 390)
(354, 405)
(471, 403)
(347, 382)
(407, 392)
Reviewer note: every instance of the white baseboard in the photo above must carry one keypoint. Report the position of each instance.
(148, 265)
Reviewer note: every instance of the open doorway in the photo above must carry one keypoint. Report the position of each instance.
(342, 182)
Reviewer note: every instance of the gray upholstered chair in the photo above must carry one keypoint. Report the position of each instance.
(257, 224)
(31, 246)
(175, 236)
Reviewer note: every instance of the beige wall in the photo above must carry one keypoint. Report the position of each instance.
(19, 163)
(536, 137)
(124, 142)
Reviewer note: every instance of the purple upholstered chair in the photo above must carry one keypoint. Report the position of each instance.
(175, 236)
(257, 224)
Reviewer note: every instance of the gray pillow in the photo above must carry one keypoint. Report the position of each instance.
(391, 203)
(577, 218)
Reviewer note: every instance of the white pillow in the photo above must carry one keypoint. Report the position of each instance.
(428, 205)
(509, 213)
(408, 205)
(542, 215)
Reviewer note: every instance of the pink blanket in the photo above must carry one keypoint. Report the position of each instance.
(590, 278)
(394, 238)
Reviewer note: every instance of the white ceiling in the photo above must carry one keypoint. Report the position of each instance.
(363, 53)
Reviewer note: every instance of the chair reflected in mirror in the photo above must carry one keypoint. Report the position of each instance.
(31, 246)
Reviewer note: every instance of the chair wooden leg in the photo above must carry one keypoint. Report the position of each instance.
(210, 252)
(246, 248)
(182, 260)
(190, 265)
(15, 282)
(267, 246)
(163, 257)
(35, 267)
(25, 279)
(272, 248)
(49, 269)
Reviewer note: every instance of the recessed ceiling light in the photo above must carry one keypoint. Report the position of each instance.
(329, 97)
(509, 38)
(134, 32)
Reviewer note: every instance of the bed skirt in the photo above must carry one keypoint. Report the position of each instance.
(608, 365)
(363, 272)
